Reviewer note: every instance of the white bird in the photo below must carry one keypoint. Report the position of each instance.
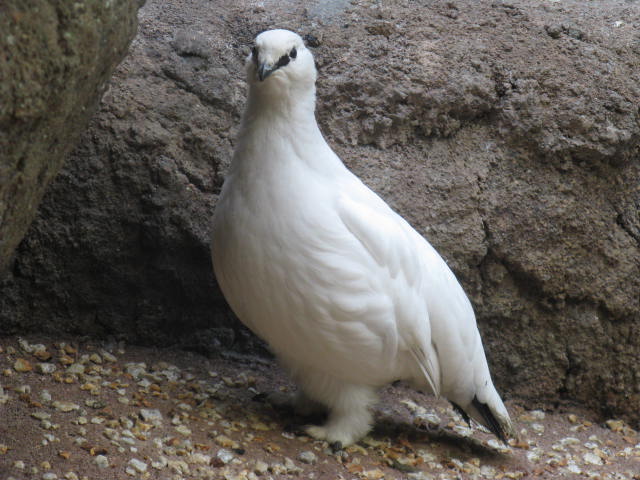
(347, 294)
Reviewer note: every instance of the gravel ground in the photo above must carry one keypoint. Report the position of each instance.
(79, 410)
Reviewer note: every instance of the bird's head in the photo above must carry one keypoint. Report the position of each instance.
(279, 58)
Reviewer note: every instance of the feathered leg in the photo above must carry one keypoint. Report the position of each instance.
(349, 415)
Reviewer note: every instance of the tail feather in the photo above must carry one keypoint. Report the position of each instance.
(484, 415)
(490, 420)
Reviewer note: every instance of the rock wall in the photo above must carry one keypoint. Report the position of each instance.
(56, 58)
(506, 132)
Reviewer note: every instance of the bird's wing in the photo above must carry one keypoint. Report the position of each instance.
(401, 256)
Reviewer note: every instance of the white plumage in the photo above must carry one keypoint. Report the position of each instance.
(347, 294)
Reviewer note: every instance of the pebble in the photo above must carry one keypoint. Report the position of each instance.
(138, 465)
(101, 461)
(45, 396)
(75, 368)
(21, 365)
(261, 468)
(19, 464)
(592, 458)
(537, 427)
(45, 368)
(199, 458)
(95, 358)
(226, 442)
(224, 455)
(49, 476)
(136, 370)
(40, 415)
(108, 357)
(183, 430)
(308, 457)
(63, 406)
(615, 425)
(291, 467)
(152, 416)
(26, 389)
(160, 464)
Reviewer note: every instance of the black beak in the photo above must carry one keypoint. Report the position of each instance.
(264, 70)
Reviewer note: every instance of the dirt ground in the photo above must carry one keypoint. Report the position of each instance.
(75, 409)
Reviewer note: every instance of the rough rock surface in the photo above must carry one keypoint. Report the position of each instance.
(506, 132)
(55, 60)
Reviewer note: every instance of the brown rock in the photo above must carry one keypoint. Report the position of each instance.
(56, 61)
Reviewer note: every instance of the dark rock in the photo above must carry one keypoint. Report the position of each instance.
(55, 63)
(515, 154)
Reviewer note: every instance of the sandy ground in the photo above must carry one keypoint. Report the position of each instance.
(76, 409)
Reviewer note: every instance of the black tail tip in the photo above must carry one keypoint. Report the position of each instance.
(490, 420)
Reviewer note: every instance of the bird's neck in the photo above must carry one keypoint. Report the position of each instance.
(279, 131)
(281, 108)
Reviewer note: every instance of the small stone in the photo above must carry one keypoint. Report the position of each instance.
(40, 415)
(136, 370)
(49, 476)
(108, 357)
(226, 442)
(261, 468)
(573, 468)
(615, 425)
(183, 430)
(537, 414)
(45, 368)
(160, 463)
(101, 461)
(376, 474)
(43, 355)
(308, 457)
(71, 476)
(66, 360)
(292, 468)
(199, 458)
(65, 406)
(592, 458)
(95, 403)
(26, 389)
(95, 358)
(45, 396)
(21, 365)
(76, 368)
(19, 464)
(152, 416)
(573, 418)
(224, 455)
(537, 427)
(138, 465)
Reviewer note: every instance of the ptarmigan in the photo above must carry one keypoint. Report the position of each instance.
(347, 294)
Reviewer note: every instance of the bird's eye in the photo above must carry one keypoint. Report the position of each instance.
(283, 60)
(293, 53)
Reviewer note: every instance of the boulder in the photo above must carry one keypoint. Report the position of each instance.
(56, 60)
(506, 132)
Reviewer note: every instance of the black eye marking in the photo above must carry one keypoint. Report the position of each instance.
(254, 54)
(293, 53)
(282, 61)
